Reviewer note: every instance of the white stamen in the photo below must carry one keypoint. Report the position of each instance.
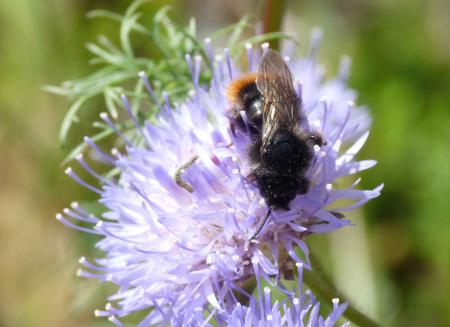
(209, 259)
(115, 152)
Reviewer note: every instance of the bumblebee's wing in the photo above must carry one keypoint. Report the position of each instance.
(274, 82)
(274, 79)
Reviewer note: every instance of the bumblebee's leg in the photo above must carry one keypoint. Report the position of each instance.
(181, 170)
(303, 185)
(233, 127)
(316, 138)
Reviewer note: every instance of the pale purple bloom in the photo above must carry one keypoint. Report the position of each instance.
(296, 309)
(181, 253)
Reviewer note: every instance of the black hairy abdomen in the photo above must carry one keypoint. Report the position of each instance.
(279, 171)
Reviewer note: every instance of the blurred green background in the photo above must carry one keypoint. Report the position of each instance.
(394, 264)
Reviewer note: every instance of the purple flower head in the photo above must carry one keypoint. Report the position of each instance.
(179, 217)
(297, 308)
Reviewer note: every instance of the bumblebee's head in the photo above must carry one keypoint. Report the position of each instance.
(246, 105)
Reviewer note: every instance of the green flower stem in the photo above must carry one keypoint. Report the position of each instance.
(272, 17)
(322, 287)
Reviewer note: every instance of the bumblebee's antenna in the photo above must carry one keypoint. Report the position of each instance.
(261, 225)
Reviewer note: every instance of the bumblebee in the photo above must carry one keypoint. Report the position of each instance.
(266, 106)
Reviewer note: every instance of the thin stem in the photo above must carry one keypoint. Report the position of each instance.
(322, 286)
(272, 18)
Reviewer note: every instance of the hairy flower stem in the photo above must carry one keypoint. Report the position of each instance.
(322, 287)
(272, 17)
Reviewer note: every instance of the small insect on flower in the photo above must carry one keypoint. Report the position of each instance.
(266, 106)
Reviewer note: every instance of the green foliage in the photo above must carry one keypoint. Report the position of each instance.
(166, 67)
